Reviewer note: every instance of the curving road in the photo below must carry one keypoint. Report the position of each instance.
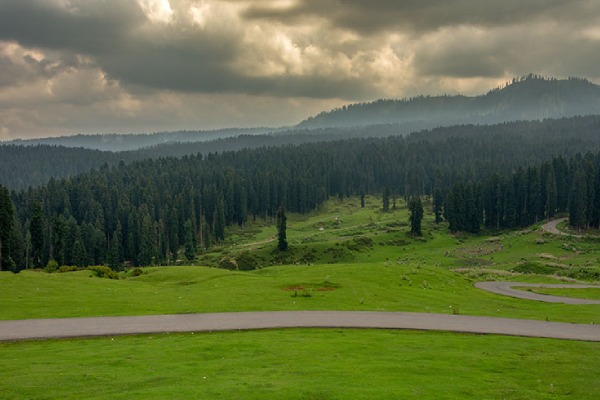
(111, 326)
(551, 226)
(506, 289)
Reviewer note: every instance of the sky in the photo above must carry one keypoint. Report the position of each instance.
(132, 66)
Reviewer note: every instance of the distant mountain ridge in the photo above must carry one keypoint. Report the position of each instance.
(126, 142)
(528, 98)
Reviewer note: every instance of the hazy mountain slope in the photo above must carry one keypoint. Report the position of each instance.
(24, 166)
(528, 98)
(124, 142)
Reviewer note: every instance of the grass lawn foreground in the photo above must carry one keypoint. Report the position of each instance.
(302, 364)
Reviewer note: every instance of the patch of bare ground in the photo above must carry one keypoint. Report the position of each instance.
(482, 250)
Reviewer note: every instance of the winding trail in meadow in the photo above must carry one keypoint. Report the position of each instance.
(552, 227)
(211, 322)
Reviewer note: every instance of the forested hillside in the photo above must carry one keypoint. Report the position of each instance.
(528, 98)
(148, 211)
(38, 164)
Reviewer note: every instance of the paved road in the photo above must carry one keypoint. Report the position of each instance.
(109, 326)
(506, 289)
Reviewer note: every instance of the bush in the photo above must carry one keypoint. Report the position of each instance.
(247, 262)
(228, 263)
(52, 266)
(68, 268)
(535, 268)
(137, 272)
(360, 243)
(102, 271)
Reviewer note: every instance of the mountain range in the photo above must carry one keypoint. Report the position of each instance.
(531, 97)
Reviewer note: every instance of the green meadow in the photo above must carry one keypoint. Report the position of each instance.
(302, 364)
(341, 257)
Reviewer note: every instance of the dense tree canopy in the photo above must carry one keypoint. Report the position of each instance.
(158, 211)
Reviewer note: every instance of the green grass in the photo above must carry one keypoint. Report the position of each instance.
(376, 286)
(362, 259)
(366, 254)
(302, 364)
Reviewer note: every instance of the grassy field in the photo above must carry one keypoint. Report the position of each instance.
(302, 364)
(342, 257)
(376, 286)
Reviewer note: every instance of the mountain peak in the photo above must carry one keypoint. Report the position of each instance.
(530, 97)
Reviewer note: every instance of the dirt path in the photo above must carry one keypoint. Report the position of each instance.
(551, 226)
(111, 326)
(506, 289)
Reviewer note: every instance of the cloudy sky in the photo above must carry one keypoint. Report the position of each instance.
(96, 66)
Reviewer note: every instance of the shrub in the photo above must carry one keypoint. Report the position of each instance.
(68, 268)
(228, 263)
(360, 243)
(102, 271)
(534, 268)
(247, 262)
(137, 272)
(52, 266)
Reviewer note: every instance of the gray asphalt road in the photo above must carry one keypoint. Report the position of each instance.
(109, 326)
(506, 289)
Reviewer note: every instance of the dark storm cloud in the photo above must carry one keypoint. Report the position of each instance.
(419, 16)
(175, 57)
(185, 62)
(87, 26)
(511, 52)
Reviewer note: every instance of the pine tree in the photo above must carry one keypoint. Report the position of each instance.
(386, 199)
(79, 252)
(438, 201)
(36, 228)
(416, 215)
(219, 220)
(190, 241)
(578, 202)
(147, 249)
(6, 225)
(282, 243)
(58, 239)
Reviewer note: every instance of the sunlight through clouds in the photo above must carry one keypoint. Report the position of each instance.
(157, 10)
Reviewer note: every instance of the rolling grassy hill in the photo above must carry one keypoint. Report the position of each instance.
(342, 257)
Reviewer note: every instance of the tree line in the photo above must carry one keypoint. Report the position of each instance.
(158, 211)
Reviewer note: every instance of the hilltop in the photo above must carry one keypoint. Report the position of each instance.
(528, 98)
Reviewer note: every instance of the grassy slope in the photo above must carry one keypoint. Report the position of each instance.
(395, 273)
(302, 364)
